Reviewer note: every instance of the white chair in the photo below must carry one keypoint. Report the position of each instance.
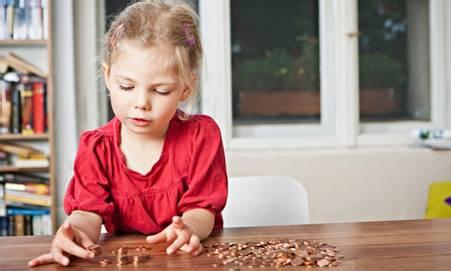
(265, 201)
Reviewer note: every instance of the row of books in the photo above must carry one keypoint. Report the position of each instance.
(23, 19)
(22, 156)
(25, 222)
(24, 204)
(23, 97)
(24, 190)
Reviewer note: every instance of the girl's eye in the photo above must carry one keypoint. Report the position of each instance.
(162, 92)
(125, 87)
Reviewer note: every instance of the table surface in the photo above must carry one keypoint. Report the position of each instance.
(384, 245)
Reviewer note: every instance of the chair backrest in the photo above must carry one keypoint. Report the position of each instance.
(265, 201)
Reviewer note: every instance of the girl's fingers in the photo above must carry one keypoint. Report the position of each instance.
(157, 238)
(43, 259)
(194, 243)
(171, 236)
(182, 238)
(177, 222)
(198, 251)
(84, 240)
(58, 256)
(185, 248)
(74, 249)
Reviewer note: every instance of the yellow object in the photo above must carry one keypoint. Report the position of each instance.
(439, 201)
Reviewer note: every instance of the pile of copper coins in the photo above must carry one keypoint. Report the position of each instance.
(122, 256)
(275, 254)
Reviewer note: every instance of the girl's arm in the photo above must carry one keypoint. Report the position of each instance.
(200, 221)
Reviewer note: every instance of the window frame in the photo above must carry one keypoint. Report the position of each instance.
(339, 126)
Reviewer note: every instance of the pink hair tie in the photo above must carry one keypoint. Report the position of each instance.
(189, 38)
(115, 36)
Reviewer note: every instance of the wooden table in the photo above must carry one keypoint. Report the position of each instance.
(389, 245)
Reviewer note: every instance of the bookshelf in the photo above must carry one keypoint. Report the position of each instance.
(39, 52)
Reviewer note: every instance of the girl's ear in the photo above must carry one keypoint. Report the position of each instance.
(187, 91)
(106, 75)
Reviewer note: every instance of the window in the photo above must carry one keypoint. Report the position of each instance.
(380, 70)
(275, 61)
(394, 60)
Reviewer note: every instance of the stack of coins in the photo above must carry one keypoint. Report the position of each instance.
(275, 253)
(121, 256)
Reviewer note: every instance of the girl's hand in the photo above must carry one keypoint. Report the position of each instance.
(179, 236)
(67, 241)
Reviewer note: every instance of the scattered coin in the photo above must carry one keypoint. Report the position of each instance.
(121, 255)
(97, 249)
(141, 258)
(104, 262)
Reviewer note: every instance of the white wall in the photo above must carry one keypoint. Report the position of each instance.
(353, 184)
(65, 111)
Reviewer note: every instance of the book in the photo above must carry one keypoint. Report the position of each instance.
(10, 19)
(39, 189)
(4, 159)
(28, 225)
(38, 90)
(3, 226)
(19, 225)
(2, 199)
(22, 205)
(31, 212)
(31, 162)
(6, 92)
(2, 207)
(22, 66)
(20, 30)
(26, 94)
(16, 111)
(3, 64)
(36, 22)
(23, 178)
(27, 198)
(23, 151)
(45, 19)
(11, 226)
(46, 224)
(37, 225)
(3, 22)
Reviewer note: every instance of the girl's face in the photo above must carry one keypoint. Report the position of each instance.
(144, 92)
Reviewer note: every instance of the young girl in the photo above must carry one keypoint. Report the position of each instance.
(152, 169)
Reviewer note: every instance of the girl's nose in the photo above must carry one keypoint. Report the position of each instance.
(142, 101)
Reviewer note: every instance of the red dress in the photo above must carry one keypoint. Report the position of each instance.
(190, 173)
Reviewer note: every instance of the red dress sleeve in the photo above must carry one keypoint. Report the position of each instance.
(207, 177)
(88, 189)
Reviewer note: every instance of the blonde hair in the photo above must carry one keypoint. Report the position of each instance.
(160, 22)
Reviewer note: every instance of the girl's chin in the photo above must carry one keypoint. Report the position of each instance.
(136, 129)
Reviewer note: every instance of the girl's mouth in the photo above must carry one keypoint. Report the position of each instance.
(140, 122)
